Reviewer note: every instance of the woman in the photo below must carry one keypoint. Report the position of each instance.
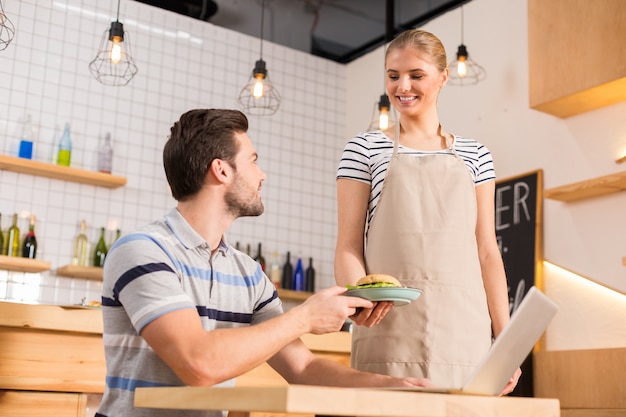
(417, 202)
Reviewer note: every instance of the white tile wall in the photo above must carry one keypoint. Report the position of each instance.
(183, 64)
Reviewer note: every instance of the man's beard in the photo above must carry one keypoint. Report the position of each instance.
(240, 202)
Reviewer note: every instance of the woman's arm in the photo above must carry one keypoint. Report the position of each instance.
(352, 202)
(492, 267)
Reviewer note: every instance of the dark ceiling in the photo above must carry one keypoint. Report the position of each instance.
(339, 30)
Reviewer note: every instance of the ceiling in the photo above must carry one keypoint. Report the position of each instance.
(339, 30)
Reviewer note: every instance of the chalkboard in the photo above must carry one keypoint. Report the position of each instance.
(518, 205)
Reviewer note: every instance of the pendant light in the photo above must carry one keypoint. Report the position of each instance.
(383, 117)
(114, 64)
(463, 70)
(7, 30)
(259, 96)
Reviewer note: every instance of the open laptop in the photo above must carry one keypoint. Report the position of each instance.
(511, 347)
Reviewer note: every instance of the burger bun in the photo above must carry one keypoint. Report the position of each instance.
(378, 280)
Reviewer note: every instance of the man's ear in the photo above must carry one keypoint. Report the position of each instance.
(221, 171)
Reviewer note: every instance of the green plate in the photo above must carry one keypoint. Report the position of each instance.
(399, 296)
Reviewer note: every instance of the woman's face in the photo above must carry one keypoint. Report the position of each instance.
(413, 81)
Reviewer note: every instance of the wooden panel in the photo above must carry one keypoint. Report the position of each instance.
(343, 402)
(51, 361)
(594, 187)
(562, 80)
(592, 413)
(51, 317)
(15, 263)
(582, 379)
(37, 404)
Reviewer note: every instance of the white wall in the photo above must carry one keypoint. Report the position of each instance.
(183, 64)
(586, 237)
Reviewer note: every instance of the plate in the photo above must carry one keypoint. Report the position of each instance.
(399, 296)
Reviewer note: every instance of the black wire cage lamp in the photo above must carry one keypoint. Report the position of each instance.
(114, 63)
(463, 70)
(7, 29)
(258, 96)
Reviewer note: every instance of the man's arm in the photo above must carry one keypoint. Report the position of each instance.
(199, 357)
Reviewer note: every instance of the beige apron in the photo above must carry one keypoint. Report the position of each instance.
(423, 233)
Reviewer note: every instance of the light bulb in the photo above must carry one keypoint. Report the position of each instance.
(383, 119)
(461, 68)
(258, 87)
(116, 51)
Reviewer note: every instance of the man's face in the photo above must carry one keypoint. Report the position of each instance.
(243, 197)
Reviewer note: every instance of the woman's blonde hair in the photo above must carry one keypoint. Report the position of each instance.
(425, 42)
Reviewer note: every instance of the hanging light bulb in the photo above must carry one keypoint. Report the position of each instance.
(7, 29)
(114, 64)
(382, 118)
(464, 71)
(259, 96)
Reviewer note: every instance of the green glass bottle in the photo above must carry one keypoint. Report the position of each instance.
(29, 248)
(13, 239)
(64, 153)
(101, 250)
(80, 246)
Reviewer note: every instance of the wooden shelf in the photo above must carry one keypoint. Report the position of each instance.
(14, 263)
(590, 188)
(42, 169)
(293, 295)
(86, 272)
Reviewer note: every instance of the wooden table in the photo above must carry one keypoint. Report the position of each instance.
(307, 399)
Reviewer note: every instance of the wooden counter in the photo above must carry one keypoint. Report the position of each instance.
(304, 399)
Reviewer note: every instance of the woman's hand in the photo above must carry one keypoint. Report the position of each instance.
(510, 386)
(369, 317)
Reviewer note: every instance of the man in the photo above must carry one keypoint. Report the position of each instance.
(182, 307)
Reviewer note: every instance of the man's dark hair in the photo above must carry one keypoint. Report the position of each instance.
(199, 137)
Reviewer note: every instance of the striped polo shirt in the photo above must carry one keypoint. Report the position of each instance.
(366, 157)
(166, 266)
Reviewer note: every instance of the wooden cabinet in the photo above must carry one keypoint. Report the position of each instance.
(588, 383)
(576, 55)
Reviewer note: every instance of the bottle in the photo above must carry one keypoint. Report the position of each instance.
(259, 258)
(80, 246)
(309, 277)
(29, 248)
(1, 237)
(298, 276)
(64, 155)
(287, 277)
(13, 239)
(118, 234)
(101, 250)
(26, 141)
(105, 155)
(237, 245)
(248, 250)
(275, 270)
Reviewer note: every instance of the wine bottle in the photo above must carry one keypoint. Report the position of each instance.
(287, 277)
(309, 277)
(101, 250)
(237, 245)
(13, 239)
(29, 248)
(259, 258)
(80, 246)
(26, 141)
(275, 270)
(1, 237)
(64, 154)
(105, 155)
(298, 276)
(248, 250)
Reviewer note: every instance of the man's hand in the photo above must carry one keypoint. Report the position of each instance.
(328, 309)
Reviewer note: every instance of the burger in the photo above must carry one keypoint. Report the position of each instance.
(376, 281)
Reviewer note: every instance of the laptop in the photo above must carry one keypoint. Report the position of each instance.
(511, 347)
